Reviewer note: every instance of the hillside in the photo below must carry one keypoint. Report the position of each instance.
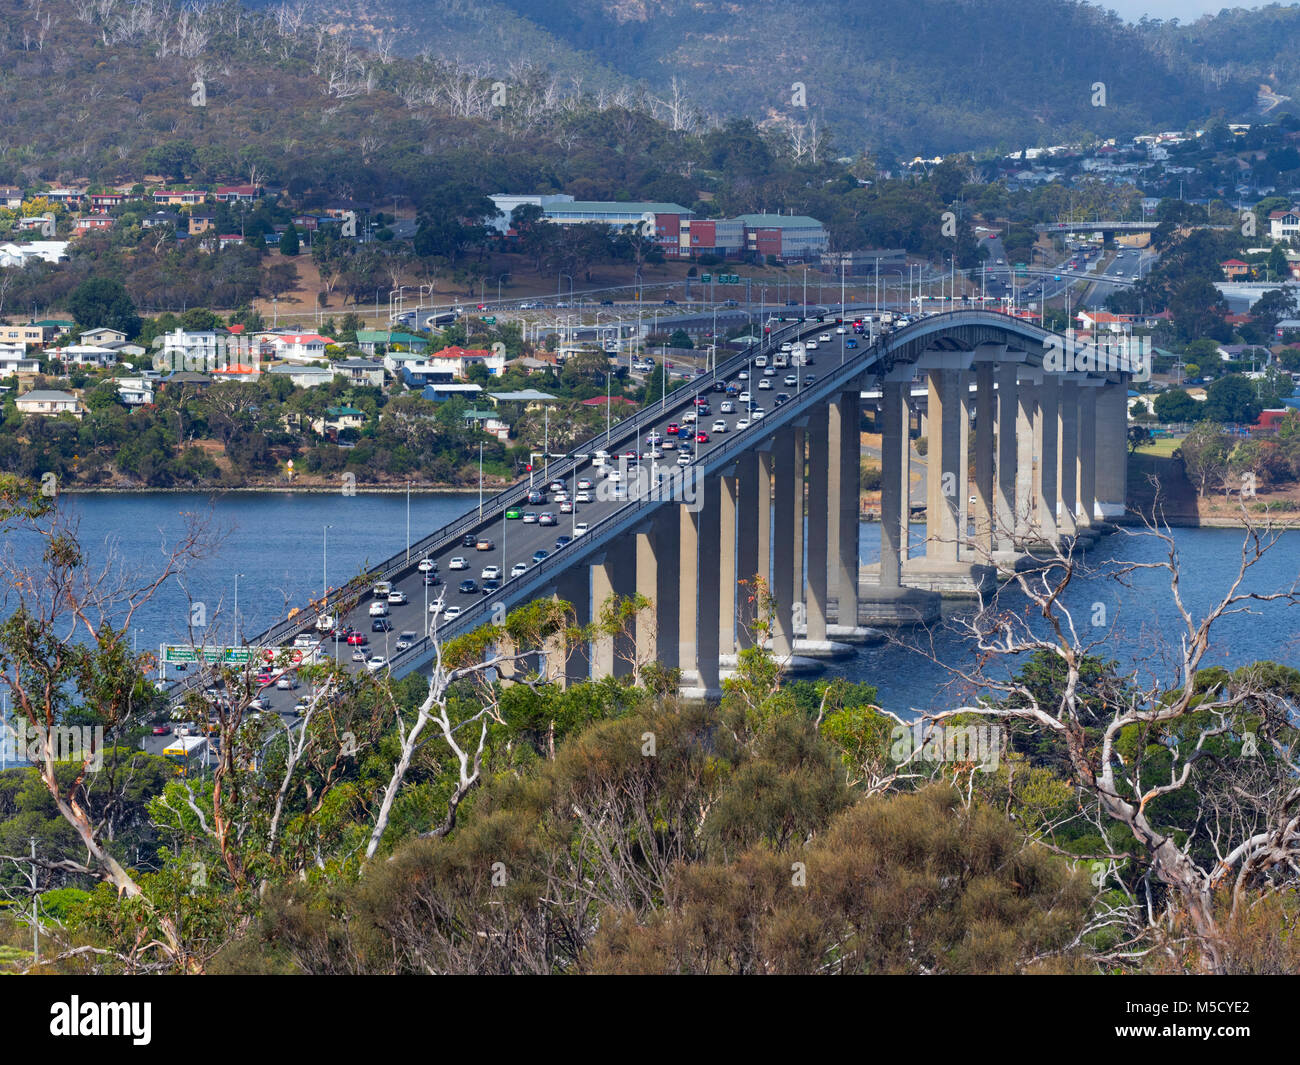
(906, 76)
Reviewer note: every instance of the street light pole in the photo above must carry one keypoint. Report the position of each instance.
(408, 520)
(480, 480)
(237, 576)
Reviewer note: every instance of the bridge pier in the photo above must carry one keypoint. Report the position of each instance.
(747, 477)
(1111, 428)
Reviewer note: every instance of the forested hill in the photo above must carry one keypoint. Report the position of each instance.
(908, 76)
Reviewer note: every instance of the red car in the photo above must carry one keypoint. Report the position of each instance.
(701, 438)
(700, 401)
(162, 730)
(357, 639)
(672, 429)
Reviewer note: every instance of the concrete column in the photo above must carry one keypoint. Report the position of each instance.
(1068, 460)
(708, 637)
(849, 460)
(688, 593)
(764, 517)
(726, 563)
(1111, 449)
(1026, 454)
(905, 475)
(893, 509)
(1046, 437)
(818, 508)
(647, 585)
(746, 545)
(1087, 452)
(965, 415)
(574, 587)
(800, 468)
(1004, 503)
(943, 457)
(985, 402)
(613, 576)
(783, 590)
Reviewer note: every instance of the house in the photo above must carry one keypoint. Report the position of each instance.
(444, 390)
(200, 223)
(11, 196)
(531, 398)
(190, 349)
(236, 193)
(179, 197)
(229, 240)
(394, 361)
(1101, 321)
(161, 218)
(1286, 325)
(62, 326)
(13, 360)
(135, 391)
(49, 403)
(236, 371)
(31, 334)
(338, 419)
(369, 339)
(1284, 225)
(303, 376)
(86, 355)
(102, 336)
(42, 223)
(1234, 269)
(615, 401)
(300, 347)
(455, 361)
(489, 422)
(50, 251)
(366, 372)
(185, 377)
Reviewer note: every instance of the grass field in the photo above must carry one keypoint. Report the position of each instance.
(1164, 447)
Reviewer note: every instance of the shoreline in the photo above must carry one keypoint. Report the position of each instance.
(88, 490)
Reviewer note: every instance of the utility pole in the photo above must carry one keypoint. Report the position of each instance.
(36, 923)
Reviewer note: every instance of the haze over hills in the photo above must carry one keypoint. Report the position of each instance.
(906, 76)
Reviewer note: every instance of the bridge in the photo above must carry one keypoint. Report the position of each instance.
(773, 492)
(1106, 229)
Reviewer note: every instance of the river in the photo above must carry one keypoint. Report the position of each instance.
(274, 541)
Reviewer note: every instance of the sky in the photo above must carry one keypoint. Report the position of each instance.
(1184, 10)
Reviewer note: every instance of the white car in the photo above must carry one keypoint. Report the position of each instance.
(719, 426)
(435, 608)
(614, 476)
(451, 613)
(742, 423)
(582, 497)
(304, 640)
(758, 412)
(765, 384)
(812, 345)
(427, 565)
(458, 563)
(376, 663)
(769, 371)
(358, 655)
(791, 380)
(518, 569)
(566, 507)
(787, 346)
(490, 573)
(760, 361)
(585, 485)
(581, 529)
(727, 407)
(744, 397)
(825, 338)
(684, 460)
(286, 683)
(840, 329)
(378, 610)
(743, 375)
(397, 598)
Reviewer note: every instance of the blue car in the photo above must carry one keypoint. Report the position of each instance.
(539, 555)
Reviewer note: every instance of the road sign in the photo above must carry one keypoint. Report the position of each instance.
(174, 653)
(490, 319)
(706, 278)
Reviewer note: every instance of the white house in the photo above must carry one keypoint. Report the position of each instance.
(49, 403)
(1284, 225)
(103, 336)
(12, 362)
(135, 391)
(301, 347)
(196, 350)
(304, 376)
(50, 251)
(87, 355)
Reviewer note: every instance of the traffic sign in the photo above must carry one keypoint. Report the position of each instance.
(709, 277)
(490, 319)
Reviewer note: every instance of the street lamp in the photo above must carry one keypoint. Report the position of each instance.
(324, 580)
(237, 576)
(408, 523)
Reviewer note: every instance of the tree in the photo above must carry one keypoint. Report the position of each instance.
(289, 240)
(103, 301)
(1176, 405)
(1232, 400)
(1205, 452)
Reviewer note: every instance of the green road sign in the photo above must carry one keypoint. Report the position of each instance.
(706, 278)
(490, 319)
(174, 653)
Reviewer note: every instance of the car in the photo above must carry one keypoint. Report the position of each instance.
(513, 514)
(684, 460)
(584, 483)
(673, 429)
(431, 580)
(582, 497)
(743, 375)
(357, 639)
(378, 610)
(670, 303)
(459, 562)
(405, 640)
(760, 361)
(376, 663)
(468, 585)
(744, 397)
(810, 346)
(850, 343)
(427, 565)
(563, 541)
(765, 385)
(491, 586)
(689, 418)
(381, 625)
(540, 554)
(555, 486)
(581, 529)
(468, 540)
(162, 730)
(614, 476)
(726, 407)
(825, 338)
(704, 411)
(547, 519)
(782, 397)
(757, 413)
(396, 598)
(563, 497)
(490, 573)
(485, 543)
(787, 346)
(809, 379)
(791, 380)
(536, 497)
(742, 423)
(359, 655)
(435, 608)
(768, 371)
(839, 329)
(701, 437)
(719, 426)
(530, 518)
(452, 613)
(566, 507)
(304, 639)
(518, 569)
(286, 683)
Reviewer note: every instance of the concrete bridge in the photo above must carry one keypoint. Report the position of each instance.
(775, 495)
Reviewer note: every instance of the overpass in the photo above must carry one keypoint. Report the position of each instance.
(775, 495)
(1106, 229)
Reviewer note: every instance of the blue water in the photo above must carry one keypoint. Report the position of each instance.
(274, 541)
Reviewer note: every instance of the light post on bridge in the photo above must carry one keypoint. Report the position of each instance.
(237, 576)
(408, 519)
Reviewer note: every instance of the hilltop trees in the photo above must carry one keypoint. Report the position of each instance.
(101, 301)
